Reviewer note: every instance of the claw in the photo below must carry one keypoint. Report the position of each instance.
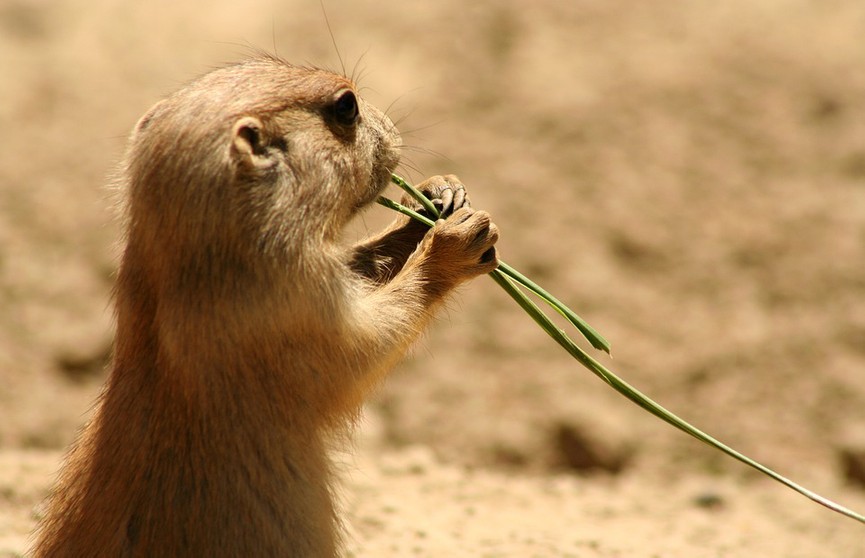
(447, 199)
(459, 197)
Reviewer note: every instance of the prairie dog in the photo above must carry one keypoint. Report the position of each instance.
(246, 334)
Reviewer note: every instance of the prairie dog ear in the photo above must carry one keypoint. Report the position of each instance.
(249, 146)
(144, 122)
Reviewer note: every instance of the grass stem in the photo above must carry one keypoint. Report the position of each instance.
(509, 280)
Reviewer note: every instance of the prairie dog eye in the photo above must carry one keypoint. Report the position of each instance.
(345, 109)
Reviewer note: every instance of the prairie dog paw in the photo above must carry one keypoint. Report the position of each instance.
(463, 245)
(447, 193)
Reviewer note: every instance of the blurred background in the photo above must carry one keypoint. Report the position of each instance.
(687, 176)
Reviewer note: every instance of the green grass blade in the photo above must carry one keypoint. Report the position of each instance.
(416, 194)
(596, 339)
(505, 278)
(593, 337)
(646, 403)
(389, 203)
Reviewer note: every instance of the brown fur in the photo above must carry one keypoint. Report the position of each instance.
(246, 335)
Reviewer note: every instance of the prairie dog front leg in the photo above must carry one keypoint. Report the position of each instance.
(380, 258)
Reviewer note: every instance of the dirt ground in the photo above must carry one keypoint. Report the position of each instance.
(688, 176)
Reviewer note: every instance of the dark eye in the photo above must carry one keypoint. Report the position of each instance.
(345, 109)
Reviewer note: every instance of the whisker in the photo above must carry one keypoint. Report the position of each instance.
(412, 170)
(273, 35)
(387, 110)
(425, 151)
(411, 131)
(332, 37)
(358, 72)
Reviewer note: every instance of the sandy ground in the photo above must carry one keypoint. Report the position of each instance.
(690, 177)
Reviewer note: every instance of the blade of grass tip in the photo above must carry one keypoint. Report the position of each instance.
(596, 339)
(593, 337)
(648, 404)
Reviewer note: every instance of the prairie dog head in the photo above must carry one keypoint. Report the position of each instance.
(261, 156)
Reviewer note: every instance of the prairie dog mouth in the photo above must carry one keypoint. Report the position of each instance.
(378, 183)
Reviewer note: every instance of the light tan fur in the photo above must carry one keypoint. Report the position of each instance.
(246, 334)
